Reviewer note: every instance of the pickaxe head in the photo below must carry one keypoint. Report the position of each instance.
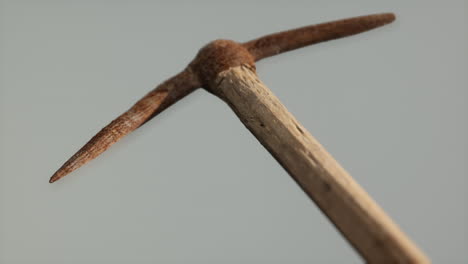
(212, 59)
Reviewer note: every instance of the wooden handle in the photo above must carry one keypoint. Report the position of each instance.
(365, 225)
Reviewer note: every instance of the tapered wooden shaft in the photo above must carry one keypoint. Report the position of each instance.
(366, 226)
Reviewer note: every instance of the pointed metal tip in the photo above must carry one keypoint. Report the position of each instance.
(388, 17)
(146, 108)
(55, 177)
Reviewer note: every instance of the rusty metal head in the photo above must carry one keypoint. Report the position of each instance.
(212, 59)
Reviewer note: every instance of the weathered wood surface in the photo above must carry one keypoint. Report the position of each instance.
(342, 200)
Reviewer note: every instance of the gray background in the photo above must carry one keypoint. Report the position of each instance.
(193, 185)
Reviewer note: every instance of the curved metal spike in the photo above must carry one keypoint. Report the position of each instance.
(273, 44)
(146, 108)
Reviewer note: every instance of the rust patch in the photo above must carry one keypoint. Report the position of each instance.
(218, 56)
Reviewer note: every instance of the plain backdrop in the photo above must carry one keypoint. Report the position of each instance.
(193, 185)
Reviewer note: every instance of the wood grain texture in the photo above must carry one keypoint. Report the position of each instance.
(366, 226)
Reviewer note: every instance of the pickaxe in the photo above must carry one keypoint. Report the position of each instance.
(227, 69)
